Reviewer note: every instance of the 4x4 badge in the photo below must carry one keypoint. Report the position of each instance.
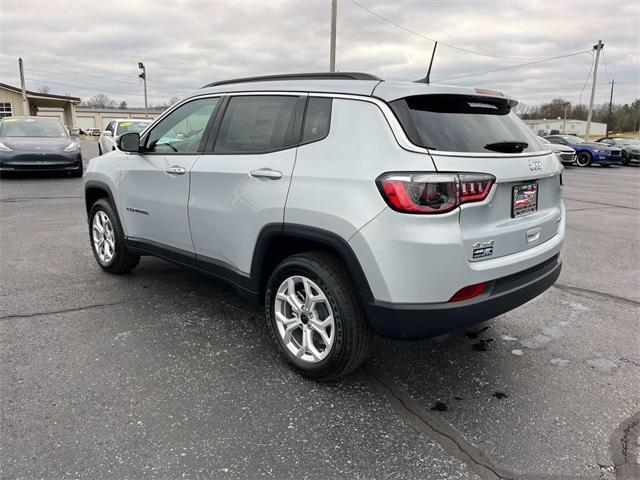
(483, 249)
(535, 165)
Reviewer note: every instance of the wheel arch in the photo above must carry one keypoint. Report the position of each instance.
(95, 190)
(278, 241)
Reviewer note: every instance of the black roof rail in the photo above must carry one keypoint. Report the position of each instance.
(300, 76)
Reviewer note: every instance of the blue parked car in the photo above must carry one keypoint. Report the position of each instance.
(589, 152)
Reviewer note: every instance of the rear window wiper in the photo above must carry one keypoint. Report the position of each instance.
(507, 146)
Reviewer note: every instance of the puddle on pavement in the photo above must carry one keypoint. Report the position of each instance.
(439, 407)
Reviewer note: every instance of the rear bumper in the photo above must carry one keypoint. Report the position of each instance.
(418, 321)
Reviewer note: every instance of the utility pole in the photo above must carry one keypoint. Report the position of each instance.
(25, 102)
(613, 82)
(332, 48)
(598, 49)
(143, 76)
(564, 120)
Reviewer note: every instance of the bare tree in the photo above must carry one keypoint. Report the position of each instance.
(44, 89)
(173, 100)
(99, 101)
(123, 105)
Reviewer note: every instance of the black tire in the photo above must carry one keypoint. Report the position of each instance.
(583, 159)
(352, 335)
(625, 158)
(122, 260)
(99, 149)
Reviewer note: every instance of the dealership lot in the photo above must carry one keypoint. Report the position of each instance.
(164, 372)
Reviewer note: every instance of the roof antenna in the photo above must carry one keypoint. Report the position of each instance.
(427, 79)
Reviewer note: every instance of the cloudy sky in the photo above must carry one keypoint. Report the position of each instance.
(84, 47)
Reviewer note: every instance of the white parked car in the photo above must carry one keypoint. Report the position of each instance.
(109, 138)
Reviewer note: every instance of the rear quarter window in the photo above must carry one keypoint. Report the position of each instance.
(461, 123)
(317, 119)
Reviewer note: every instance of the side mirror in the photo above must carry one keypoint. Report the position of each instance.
(107, 133)
(129, 142)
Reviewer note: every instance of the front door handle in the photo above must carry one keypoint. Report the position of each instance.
(176, 170)
(266, 173)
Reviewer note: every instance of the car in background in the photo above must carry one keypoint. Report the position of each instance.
(588, 153)
(109, 139)
(92, 132)
(629, 146)
(37, 144)
(565, 154)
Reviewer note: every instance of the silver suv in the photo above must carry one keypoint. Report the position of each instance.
(346, 204)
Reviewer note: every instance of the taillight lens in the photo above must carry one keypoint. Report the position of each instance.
(468, 292)
(433, 192)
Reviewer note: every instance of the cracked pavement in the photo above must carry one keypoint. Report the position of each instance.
(166, 373)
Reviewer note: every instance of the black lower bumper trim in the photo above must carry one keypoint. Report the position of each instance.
(419, 321)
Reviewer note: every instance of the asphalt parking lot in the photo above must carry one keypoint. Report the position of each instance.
(165, 373)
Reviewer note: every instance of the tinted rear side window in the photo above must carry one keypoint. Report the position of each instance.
(317, 119)
(255, 124)
(460, 123)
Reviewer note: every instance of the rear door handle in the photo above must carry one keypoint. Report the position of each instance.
(176, 170)
(266, 173)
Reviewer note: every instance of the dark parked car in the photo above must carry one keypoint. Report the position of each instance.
(588, 153)
(630, 147)
(37, 143)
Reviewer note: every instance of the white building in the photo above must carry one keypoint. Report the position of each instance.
(576, 127)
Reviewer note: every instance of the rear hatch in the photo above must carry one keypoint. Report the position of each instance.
(480, 134)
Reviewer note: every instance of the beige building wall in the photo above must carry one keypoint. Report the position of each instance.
(15, 99)
(96, 118)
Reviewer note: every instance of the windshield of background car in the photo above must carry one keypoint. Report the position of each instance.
(32, 127)
(573, 139)
(131, 127)
(461, 123)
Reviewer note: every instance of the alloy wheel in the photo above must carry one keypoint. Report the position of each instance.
(103, 237)
(304, 319)
(583, 159)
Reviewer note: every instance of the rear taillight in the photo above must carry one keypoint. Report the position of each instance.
(433, 192)
(469, 292)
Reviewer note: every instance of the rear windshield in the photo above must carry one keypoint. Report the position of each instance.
(460, 123)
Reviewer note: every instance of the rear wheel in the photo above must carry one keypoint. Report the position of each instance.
(583, 159)
(107, 239)
(315, 318)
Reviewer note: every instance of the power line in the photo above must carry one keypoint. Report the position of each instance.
(513, 66)
(586, 80)
(84, 88)
(606, 70)
(425, 37)
(114, 76)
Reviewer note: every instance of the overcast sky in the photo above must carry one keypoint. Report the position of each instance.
(83, 47)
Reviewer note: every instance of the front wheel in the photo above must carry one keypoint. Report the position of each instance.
(315, 317)
(583, 159)
(107, 239)
(625, 159)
